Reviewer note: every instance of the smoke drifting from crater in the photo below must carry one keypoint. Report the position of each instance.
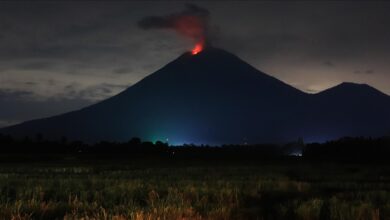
(193, 23)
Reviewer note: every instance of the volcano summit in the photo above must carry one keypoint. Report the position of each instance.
(214, 97)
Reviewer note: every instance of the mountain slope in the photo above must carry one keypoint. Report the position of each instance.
(214, 97)
(348, 109)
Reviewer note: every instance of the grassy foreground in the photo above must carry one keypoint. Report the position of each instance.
(197, 189)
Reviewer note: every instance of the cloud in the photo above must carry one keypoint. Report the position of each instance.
(19, 106)
(192, 22)
(94, 92)
(36, 65)
(30, 83)
(8, 94)
(312, 90)
(328, 63)
(122, 70)
(369, 71)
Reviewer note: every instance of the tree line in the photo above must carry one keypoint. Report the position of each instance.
(344, 149)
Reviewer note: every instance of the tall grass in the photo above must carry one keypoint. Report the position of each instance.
(182, 191)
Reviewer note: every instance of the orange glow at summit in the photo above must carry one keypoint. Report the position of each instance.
(197, 49)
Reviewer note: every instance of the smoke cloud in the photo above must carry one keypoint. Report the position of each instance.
(193, 23)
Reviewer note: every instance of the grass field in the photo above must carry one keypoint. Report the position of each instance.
(196, 189)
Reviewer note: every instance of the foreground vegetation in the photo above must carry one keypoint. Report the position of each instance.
(347, 179)
(152, 188)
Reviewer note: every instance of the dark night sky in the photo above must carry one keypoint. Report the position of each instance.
(56, 57)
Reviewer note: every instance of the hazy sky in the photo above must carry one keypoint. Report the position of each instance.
(56, 57)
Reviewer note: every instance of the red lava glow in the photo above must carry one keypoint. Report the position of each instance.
(197, 49)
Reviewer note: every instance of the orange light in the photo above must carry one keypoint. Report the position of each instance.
(197, 49)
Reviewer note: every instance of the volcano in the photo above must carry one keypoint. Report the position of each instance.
(214, 97)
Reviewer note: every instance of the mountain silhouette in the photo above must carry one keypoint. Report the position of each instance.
(216, 98)
(348, 109)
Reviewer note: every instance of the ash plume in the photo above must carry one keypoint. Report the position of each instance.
(192, 22)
